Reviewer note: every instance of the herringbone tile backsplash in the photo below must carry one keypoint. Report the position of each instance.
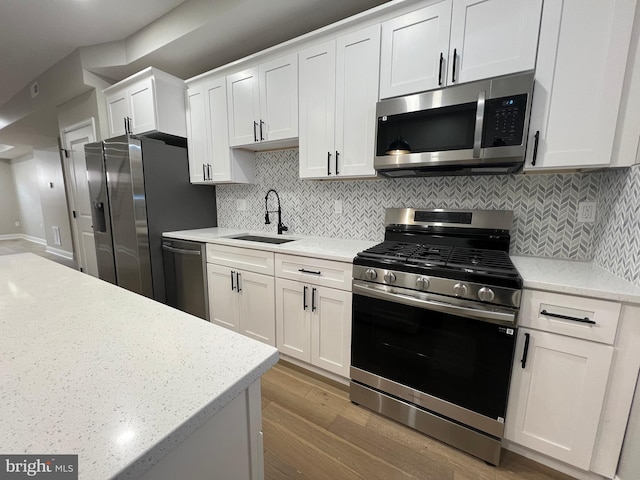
(617, 232)
(545, 206)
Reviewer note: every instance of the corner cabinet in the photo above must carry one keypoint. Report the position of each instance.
(263, 104)
(560, 376)
(241, 291)
(313, 311)
(211, 161)
(338, 93)
(457, 41)
(582, 59)
(149, 101)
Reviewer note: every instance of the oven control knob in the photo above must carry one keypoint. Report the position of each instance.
(371, 274)
(460, 289)
(422, 283)
(389, 277)
(486, 294)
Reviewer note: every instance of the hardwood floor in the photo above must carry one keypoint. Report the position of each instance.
(312, 431)
(9, 247)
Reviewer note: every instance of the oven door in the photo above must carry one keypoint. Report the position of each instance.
(435, 352)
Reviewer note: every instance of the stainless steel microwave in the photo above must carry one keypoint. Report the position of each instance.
(469, 129)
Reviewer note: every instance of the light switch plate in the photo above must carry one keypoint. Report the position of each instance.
(587, 212)
(241, 205)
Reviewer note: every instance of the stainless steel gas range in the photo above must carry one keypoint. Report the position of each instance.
(435, 310)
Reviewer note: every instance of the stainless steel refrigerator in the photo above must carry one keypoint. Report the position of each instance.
(139, 188)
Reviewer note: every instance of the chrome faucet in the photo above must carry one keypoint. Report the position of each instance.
(281, 227)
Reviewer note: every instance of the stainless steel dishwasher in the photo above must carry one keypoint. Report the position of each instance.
(185, 273)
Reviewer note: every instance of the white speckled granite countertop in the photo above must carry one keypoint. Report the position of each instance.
(339, 249)
(576, 278)
(89, 368)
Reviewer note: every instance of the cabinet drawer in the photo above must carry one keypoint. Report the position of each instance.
(605, 314)
(327, 273)
(258, 261)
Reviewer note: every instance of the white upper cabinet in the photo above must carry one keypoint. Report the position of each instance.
(457, 41)
(149, 101)
(338, 95)
(317, 109)
(210, 158)
(579, 77)
(414, 51)
(492, 37)
(263, 103)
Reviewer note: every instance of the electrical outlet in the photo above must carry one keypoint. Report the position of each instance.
(17, 224)
(587, 212)
(337, 207)
(241, 205)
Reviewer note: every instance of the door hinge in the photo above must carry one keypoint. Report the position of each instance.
(81, 269)
(65, 151)
(73, 212)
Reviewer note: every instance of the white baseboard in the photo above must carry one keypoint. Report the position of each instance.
(11, 236)
(60, 253)
(30, 238)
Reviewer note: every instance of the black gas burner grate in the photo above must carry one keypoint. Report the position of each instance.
(494, 262)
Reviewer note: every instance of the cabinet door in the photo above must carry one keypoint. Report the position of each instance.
(293, 328)
(331, 329)
(257, 306)
(243, 107)
(142, 105)
(357, 72)
(279, 98)
(215, 93)
(579, 77)
(197, 135)
(117, 112)
(493, 37)
(555, 402)
(223, 301)
(415, 50)
(317, 98)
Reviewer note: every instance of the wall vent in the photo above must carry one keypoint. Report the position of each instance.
(56, 236)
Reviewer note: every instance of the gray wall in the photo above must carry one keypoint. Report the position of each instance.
(8, 201)
(25, 177)
(53, 199)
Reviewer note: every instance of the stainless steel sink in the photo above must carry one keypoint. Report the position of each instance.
(258, 238)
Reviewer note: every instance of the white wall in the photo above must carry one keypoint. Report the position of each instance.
(25, 177)
(9, 212)
(53, 200)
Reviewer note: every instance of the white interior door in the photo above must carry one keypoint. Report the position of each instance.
(74, 139)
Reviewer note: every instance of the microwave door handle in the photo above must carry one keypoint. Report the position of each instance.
(477, 136)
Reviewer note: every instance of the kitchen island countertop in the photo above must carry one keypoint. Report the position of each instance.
(92, 369)
(575, 278)
(327, 248)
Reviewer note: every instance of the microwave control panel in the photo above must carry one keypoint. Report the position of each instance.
(504, 120)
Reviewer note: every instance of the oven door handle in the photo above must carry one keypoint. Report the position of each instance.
(486, 315)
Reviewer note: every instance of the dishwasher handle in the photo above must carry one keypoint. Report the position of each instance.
(181, 250)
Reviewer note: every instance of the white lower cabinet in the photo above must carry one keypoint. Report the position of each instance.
(313, 324)
(556, 397)
(239, 299)
(562, 369)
